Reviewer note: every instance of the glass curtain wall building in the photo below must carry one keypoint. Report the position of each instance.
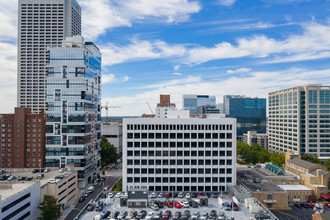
(299, 120)
(250, 113)
(191, 102)
(73, 129)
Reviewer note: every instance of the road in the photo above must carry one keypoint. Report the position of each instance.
(110, 182)
(114, 172)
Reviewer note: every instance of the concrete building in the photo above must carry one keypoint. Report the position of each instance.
(74, 107)
(207, 109)
(299, 120)
(252, 137)
(113, 131)
(21, 201)
(23, 139)
(250, 113)
(41, 23)
(313, 176)
(186, 154)
(191, 102)
(164, 106)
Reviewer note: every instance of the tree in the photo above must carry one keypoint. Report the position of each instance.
(311, 158)
(327, 164)
(108, 152)
(50, 210)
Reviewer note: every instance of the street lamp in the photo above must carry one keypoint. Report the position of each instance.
(40, 165)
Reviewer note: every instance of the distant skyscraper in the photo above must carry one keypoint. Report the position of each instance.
(74, 107)
(250, 113)
(41, 23)
(299, 120)
(191, 102)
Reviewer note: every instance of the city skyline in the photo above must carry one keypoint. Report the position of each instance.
(187, 47)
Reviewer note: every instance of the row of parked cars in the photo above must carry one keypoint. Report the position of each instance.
(308, 205)
(182, 195)
(9, 177)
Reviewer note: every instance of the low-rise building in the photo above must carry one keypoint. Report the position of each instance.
(313, 176)
(297, 192)
(113, 131)
(252, 137)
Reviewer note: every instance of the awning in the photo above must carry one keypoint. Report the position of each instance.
(325, 196)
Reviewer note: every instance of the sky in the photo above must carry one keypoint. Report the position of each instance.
(176, 47)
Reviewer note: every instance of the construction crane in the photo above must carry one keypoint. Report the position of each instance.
(106, 107)
(150, 108)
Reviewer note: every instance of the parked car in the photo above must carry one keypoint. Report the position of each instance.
(168, 203)
(90, 189)
(213, 214)
(2, 172)
(118, 194)
(86, 194)
(158, 215)
(195, 216)
(234, 206)
(142, 214)
(4, 177)
(131, 215)
(261, 216)
(310, 205)
(35, 171)
(11, 178)
(46, 170)
(153, 195)
(327, 204)
(111, 195)
(99, 206)
(149, 215)
(188, 196)
(53, 180)
(61, 170)
(103, 195)
(298, 205)
(154, 206)
(204, 216)
(29, 178)
(227, 206)
(185, 215)
(194, 204)
(57, 177)
(160, 195)
(176, 216)
(168, 195)
(194, 195)
(177, 205)
(90, 207)
(114, 215)
(221, 216)
(304, 204)
(215, 195)
(122, 215)
(21, 178)
(105, 214)
(175, 194)
(82, 199)
(181, 195)
(167, 214)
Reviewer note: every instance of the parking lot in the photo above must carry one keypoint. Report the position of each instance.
(114, 205)
(299, 213)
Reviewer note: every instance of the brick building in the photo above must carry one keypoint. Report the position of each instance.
(22, 139)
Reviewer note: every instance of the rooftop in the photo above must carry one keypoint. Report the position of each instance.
(302, 163)
(294, 188)
(246, 177)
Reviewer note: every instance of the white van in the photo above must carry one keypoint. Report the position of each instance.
(90, 189)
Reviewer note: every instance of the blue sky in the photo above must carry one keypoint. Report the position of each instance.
(215, 47)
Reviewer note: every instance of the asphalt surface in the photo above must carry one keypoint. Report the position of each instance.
(110, 182)
(296, 213)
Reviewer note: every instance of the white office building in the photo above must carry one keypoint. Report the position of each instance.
(179, 154)
(41, 23)
(113, 131)
(299, 120)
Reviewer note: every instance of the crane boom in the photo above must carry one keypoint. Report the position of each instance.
(150, 108)
(106, 107)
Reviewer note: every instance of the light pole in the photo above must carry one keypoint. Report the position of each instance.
(40, 165)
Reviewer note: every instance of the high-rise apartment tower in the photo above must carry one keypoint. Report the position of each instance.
(41, 23)
(299, 120)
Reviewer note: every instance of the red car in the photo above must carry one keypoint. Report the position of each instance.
(177, 205)
(168, 195)
(234, 206)
(327, 204)
(168, 203)
(310, 205)
(167, 214)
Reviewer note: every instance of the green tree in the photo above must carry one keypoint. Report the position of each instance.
(311, 158)
(50, 210)
(108, 152)
(277, 159)
(327, 164)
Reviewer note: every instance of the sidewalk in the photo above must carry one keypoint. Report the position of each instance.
(67, 211)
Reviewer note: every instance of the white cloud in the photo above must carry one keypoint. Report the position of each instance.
(177, 74)
(8, 18)
(256, 84)
(240, 70)
(176, 67)
(227, 2)
(313, 40)
(111, 78)
(140, 50)
(102, 15)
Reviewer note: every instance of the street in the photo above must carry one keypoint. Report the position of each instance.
(110, 182)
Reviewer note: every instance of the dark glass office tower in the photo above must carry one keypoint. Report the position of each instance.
(250, 113)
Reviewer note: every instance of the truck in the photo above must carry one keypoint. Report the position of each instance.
(90, 189)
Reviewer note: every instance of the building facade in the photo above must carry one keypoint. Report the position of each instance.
(252, 137)
(299, 120)
(41, 23)
(73, 107)
(23, 139)
(179, 154)
(250, 113)
(113, 131)
(164, 106)
(191, 102)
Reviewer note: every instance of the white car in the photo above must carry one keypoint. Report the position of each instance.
(54, 180)
(188, 196)
(153, 195)
(195, 216)
(181, 195)
(204, 216)
(149, 215)
(186, 204)
(61, 170)
(46, 170)
(111, 194)
(160, 195)
(118, 194)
